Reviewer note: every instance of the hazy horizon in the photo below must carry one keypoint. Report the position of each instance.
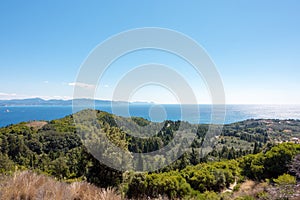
(149, 102)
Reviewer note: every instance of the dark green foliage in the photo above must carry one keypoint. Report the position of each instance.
(57, 149)
(136, 186)
(273, 163)
(295, 166)
(188, 182)
(6, 165)
(170, 184)
(214, 176)
(277, 160)
(256, 148)
(211, 176)
(140, 121)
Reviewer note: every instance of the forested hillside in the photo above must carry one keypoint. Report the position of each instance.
(244, 151)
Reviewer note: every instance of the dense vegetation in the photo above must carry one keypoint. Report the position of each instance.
(244, 150)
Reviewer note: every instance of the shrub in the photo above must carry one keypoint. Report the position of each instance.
(285, 179)
(245, 198)
(6, 165)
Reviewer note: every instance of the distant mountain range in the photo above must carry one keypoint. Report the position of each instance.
(56, 102)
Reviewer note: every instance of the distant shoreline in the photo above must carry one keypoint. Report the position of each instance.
(234, 113)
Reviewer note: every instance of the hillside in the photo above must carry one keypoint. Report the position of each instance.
(56, 148)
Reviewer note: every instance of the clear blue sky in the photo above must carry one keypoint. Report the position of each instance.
(254, 44)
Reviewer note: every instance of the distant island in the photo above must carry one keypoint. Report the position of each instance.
(59, 102)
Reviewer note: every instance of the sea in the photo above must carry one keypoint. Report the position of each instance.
(203, 114)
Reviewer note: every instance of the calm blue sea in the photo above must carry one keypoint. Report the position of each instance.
(234, 113)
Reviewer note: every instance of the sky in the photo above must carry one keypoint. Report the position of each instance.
(255, 46)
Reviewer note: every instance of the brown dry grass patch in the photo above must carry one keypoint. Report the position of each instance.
(250, 188)
(36, 124)
(27, 185)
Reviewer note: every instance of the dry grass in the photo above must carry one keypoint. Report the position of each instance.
(36, 124)
(27, 185)
(250, 188)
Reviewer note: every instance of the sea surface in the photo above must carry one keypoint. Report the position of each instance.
(234, 113)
